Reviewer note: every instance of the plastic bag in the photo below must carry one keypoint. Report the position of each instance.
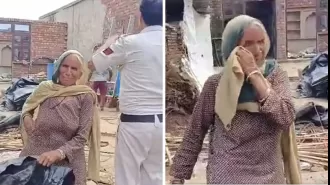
(312, 113)
(10, 121)
(27, 171)
(315, 78)
(17, 94)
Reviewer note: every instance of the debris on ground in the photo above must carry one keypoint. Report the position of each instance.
(5, 77)
(306, 53)
(16, 95)
(314, 82)
(312, 144)
(9, 120)
(312, 113)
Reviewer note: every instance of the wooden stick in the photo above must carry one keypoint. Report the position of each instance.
(316, 154)
(314, 162)
(168, 153)
(312, 157)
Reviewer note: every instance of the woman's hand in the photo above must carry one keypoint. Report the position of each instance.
(49, 158)
(176, 181)
(90, 84)
(28, 124)
(247, 61)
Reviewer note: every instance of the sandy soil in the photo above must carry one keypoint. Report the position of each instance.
(109, 123)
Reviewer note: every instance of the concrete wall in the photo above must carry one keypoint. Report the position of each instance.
(90, 22)
(85, 21)
(197, 38)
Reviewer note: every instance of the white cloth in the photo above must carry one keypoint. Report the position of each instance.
(139, 154)
(100, 76)
(141, 59)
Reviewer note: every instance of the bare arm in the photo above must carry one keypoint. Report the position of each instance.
(277, 102)
(202, 117)
(85, 123)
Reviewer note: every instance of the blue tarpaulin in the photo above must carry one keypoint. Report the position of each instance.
(117, 85)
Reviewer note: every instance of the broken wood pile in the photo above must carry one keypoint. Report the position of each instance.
(11, 141)
(312, 144)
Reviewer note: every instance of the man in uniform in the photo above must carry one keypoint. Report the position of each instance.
(139, 156)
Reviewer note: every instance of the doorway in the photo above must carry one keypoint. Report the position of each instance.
(174, 10)
(265, 11)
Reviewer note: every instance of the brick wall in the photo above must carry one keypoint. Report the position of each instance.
(291, 4)
(120, 11)
(174, 43)
(281, 29)
(5, 36)
(322, 41)
(47, 40)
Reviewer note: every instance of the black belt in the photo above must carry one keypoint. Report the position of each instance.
(140, 118)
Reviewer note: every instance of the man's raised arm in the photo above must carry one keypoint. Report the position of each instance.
(112, 53)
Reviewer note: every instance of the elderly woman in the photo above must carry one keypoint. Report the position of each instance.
(244, 136)
(57, 118)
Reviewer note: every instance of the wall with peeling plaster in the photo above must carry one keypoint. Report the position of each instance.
(197, 38)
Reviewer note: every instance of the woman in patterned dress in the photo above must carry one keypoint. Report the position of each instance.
(249, 152)
(59, 132)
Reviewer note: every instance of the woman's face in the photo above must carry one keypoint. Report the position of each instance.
(254, 40)
(70, 70)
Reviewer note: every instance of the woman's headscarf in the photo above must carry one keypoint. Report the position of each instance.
(85, 71)
(234, 32)
(232, 35)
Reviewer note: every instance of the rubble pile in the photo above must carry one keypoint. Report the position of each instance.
(306, 53)
(312, 146)
(38, 77)
(5, 77)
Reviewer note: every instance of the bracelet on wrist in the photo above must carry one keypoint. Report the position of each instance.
(61, 153)
(251, 74)
(266, 97)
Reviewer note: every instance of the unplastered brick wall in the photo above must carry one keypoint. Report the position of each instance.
(174, 43)
(297, 4)
(48, 39)
(119, 14)
(4, 36)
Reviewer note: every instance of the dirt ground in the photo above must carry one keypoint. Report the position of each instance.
(109, 123)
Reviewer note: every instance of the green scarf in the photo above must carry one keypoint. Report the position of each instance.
(248, 93)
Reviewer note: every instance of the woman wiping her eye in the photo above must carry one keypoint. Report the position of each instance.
(248, 110)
